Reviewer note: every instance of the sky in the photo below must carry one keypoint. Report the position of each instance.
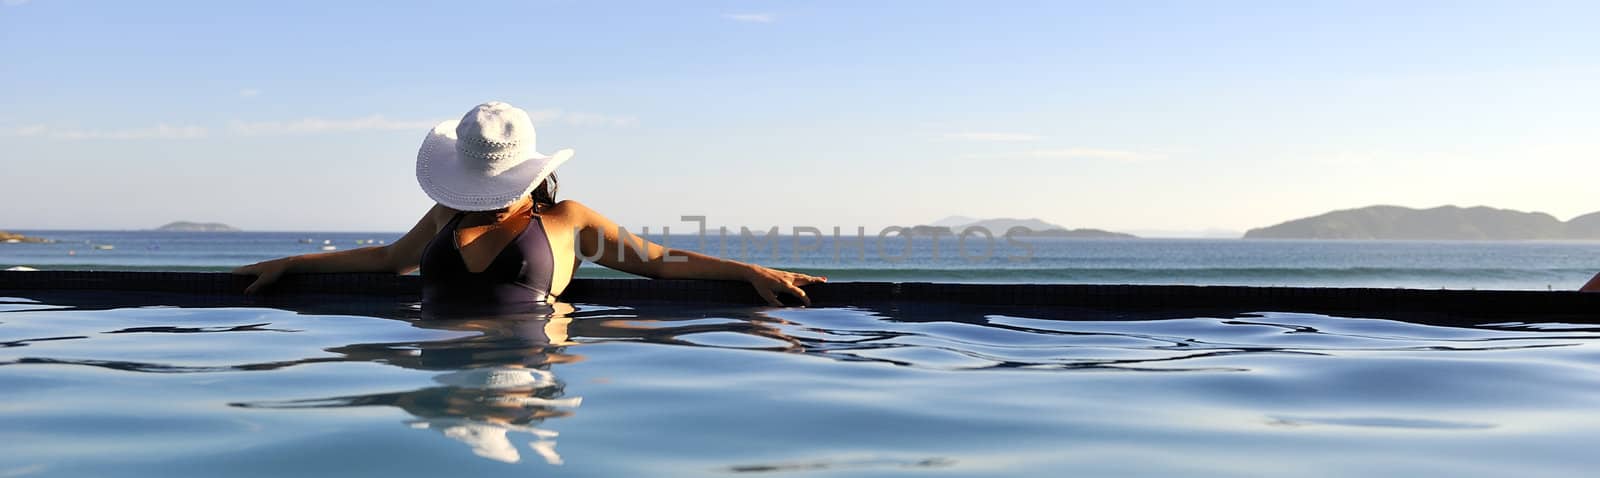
(1174, 118)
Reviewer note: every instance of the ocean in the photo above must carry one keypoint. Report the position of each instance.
(1526, 265)
(109, 384)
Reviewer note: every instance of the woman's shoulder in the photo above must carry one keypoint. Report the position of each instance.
(439, 215)
(566, 208)
(567, 212)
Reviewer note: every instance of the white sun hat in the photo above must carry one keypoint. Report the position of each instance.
(485, 161)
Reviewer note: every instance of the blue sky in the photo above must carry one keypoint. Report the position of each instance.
(1136, 116)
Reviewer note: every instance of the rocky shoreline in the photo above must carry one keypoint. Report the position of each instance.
(13, 238)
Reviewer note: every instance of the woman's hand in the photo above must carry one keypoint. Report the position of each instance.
(266, 273)
(770, 282)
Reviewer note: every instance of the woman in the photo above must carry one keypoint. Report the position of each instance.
(498, 237)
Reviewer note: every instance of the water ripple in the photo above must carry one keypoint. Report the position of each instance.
(828, 390)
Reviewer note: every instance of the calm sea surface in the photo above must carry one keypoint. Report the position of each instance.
(97, 384)
(1461, 265)
(119, 384)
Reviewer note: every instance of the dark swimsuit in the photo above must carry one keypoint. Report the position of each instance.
(519, 276)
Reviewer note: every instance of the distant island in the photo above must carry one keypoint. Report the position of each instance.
(999, 226)
(1440, 223)
(186, 226)
(11, 237)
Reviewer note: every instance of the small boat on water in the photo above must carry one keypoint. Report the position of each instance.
(329, 248)
(104, 247)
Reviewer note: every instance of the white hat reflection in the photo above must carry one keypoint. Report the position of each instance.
(491, 440)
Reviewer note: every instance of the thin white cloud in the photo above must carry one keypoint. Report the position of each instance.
(30, 131)
(160, 131)
(249, 92)
(324, 125)
(992, 136)
(13, 3)
(751, 17)
(544, 115)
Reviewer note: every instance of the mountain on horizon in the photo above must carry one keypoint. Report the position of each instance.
(188, 226)
(953, 221)
(1002, 224)
(1440, 223)
(999, 226)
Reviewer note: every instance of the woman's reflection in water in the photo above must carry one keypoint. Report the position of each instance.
(494, 385)
(498, 382)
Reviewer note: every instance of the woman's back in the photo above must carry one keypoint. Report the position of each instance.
(496, 273)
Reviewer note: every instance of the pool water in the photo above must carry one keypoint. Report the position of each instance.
(98, 385)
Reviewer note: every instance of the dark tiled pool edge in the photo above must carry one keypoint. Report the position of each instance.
(1467, 302)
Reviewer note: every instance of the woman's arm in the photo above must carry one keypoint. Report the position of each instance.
(1592, 286)
(601, 240)
(400, 257)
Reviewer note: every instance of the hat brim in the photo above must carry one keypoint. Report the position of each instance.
(456, 185)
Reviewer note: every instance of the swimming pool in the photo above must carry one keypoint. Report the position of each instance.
(96, 383)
